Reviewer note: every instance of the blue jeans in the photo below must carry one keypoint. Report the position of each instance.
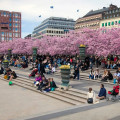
(76, 75)
(91, 76)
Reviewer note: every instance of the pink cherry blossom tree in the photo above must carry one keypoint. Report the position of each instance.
(101, 42)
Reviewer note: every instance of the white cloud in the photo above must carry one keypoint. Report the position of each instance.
(31, 9)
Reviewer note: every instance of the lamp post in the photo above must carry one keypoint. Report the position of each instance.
(82, 49)
(9, 53)
(34, 54)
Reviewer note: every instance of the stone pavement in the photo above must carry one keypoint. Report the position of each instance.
(102, 111)
(21, 109)
(17, 102)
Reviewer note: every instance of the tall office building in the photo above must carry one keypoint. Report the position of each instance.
(53, 26)
(10, 25)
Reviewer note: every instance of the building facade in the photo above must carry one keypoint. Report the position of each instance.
(91, 22)
(10, 25)
(111, 18)
(53, 26)
(105, 17)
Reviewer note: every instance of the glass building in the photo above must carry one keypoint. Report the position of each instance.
(54, 26)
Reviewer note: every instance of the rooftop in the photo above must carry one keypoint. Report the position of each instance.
(104, 9)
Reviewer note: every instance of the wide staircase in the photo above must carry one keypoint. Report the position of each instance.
(72, 96)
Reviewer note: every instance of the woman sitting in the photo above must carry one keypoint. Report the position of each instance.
(51, 85)
(97, 74)
(91, 96)
(24, 65)
(12, 75)
(17, 63)
(43, 83)
(110, 76)
(91, 76)
(37, 80)
(7, 73)
(105, 75)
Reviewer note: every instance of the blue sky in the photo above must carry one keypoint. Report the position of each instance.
(31, 9)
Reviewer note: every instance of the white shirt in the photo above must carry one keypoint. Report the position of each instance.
(91, 95)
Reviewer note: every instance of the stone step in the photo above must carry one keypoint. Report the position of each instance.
(67, 98)
(74, 93)
(71, 96)
(64, 99)
(78, 91)
(63, 92)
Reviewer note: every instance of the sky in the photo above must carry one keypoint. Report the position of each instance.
(32, 9)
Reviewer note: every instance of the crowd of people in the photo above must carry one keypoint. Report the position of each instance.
(52, 62)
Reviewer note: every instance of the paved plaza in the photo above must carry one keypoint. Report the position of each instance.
(18, 103)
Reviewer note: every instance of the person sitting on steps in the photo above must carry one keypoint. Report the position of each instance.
(102, 93)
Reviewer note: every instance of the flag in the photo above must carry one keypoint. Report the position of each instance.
(51, 7)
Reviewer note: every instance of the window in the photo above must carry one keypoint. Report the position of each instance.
(2, 33)
(10, 24)
(108, 23)
(16, 19)
(10, 19)
(113, 15)
(16, 15)
(10, 38)
(105, 24)
(4, 13)
(112, 23)
(10, 14)
(117, 15)
(102, 24)
(16, 24)
(16, 34)
(2, 38)
(10, 34)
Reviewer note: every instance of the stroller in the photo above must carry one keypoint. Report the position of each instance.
(114, 93)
